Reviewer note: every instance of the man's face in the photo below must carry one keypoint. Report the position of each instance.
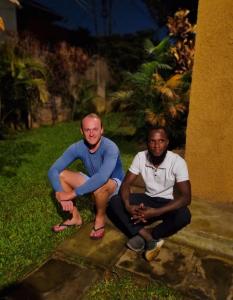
(157, 142)
(91, 130)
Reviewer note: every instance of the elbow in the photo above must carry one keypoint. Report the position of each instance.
(104, 179)
(187, 200)
(50, 174)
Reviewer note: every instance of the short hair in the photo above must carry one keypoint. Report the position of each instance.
(158, 127)
(91, 115)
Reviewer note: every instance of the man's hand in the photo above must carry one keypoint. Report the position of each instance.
(67, 205)
(144, 213)
(132, 209)
(65, 196)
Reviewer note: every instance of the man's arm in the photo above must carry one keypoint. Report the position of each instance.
(125, 192)
(60, 164)
(182, 199)
(102, 176)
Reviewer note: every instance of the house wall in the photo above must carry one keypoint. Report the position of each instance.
(210, 123)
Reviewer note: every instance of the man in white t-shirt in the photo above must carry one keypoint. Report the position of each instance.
(161, 170)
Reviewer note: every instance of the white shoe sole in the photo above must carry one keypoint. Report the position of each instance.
(151, 254)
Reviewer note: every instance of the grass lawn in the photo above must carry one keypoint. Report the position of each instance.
(122, 285)
(27, 207)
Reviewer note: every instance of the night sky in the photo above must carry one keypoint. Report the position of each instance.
(128, 16)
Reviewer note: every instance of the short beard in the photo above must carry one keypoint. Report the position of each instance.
(89, 146)
(157, 160)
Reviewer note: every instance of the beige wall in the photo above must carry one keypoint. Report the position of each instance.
(209, 150)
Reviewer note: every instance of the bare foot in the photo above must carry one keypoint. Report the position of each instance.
(73, 221)
(64, 225)
(97, 233)
(99, 222)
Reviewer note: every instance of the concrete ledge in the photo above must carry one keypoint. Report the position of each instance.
(214, 244)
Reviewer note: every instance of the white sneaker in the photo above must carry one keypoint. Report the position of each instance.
(152, 249)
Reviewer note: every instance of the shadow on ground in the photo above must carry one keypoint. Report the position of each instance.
(12, 156)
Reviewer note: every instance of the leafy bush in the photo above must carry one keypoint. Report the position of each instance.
(158, 93)
(31, 74)
(22, 83)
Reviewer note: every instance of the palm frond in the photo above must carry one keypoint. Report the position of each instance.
(121, 95)
(36, 66)
(40, 85)
(161, 48)
(154, 118)
(141, 80)
(175, 81)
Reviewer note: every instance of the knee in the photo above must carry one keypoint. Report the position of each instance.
(114, 202)
(97, 193)
(62, 175)
(183, 218)
(115, 205)
(187, 216)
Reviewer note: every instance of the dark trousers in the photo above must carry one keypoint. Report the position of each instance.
(171, 221)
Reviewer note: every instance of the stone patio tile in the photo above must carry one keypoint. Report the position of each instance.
(103, 253)
(55, 280)
(210, 228)
(197, 276)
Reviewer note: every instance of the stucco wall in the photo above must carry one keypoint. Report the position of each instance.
(209, 149)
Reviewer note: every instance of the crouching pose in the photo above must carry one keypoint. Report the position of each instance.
(161, 170)
(101, 159)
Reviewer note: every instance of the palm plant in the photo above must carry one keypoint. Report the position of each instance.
(159, 90)
(171, 100)
(158, 56)
(22, 81)
(157, 100)
(138, 90)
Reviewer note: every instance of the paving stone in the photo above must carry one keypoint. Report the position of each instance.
(198, 261)
(55, 280)
(198, 276)
(210, 228)
(103, 253)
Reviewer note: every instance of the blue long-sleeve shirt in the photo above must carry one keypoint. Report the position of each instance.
(101, 165)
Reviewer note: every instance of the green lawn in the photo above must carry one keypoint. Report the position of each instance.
(122, 285)
(27, 207)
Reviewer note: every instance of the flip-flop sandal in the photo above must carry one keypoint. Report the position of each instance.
(62, 226)
(97, 233)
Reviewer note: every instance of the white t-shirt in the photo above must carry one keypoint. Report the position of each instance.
(159, 182)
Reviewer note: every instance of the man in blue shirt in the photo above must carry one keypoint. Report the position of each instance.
(101, 159)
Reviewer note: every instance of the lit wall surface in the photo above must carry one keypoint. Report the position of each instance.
(209, 149)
